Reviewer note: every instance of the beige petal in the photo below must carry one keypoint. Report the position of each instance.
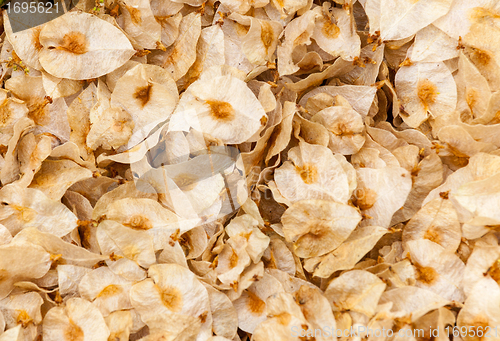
(77, 46)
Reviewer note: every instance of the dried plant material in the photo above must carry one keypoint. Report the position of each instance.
(78, 319)
(359, 97)
(117, 239)
(425, 88)
(11, 111)
(232, 119)
(298, 32)
(251, 306)
(312, 173)
(436, 221)
(106, 290)
(356, 290)
(140, 23)
(225, 319)
(437, 269)
(432, 45)
(120, 324)
(412, 302)
(26, 43)
(28, 207)
(171, 290)
(69, 276)
(318, 226)
(480, 310)
(149, 94)
(148, 216)
(334, 34)
(63, 252)
(71, 51)
(179, 57)
(345, 257)
(345, 127)
(36, 263)
(402, 20)
(381, 192)
(55, 177)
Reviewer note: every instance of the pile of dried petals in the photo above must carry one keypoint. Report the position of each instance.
(240, 170)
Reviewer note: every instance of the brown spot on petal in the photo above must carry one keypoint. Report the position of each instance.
(143, 94)
(74, 42)
(233, 259)
(73, 332)
(23, 318)
(5, 113)
(110, 290)
(481, 14)
(255, 304)
(221, 111)
(36, 38)
(480, 57)
(171, 298)
(39, 112)
(284, 318)
(364, 198)
(330, 30)
(308, 173)
(479, 326)
(432, 235)
(427, 93)
(266, 35)
(426, 274)
(139, 222)
(4, 275)
(494, 271)
(241, 30)
(24, 214)
(135, 14)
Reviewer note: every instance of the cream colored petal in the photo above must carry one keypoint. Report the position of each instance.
(356, 290)
(425, 88)
(436, 221)
(345, 257)
(36, 262)
(81, 46)
(77, 320)
(123, 241)
(119, 323)
(59, 249)
(69, 277)
(182, 54)
(28, 207)
(140, 23)
(400, 20)
(412, 302)
(318, 226)
(433, 45)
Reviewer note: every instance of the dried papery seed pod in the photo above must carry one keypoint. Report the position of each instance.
(251, 306)
(437, 269)
(425, 88)
(334, 34)
(318, 226)
(28, 207)
(480, 311)
(149, 216)
(35, 265)
(345, 127)
(210, 106)
(149, 94)
(24, 310)
(120, 324)
(140, 23)
(77, 319)
(11, 111)
(312, 173)
(179, 57)
(171, 290)
(436, 221)
(345, 257)
(119, 240)
(106, 290)
(82, 46)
